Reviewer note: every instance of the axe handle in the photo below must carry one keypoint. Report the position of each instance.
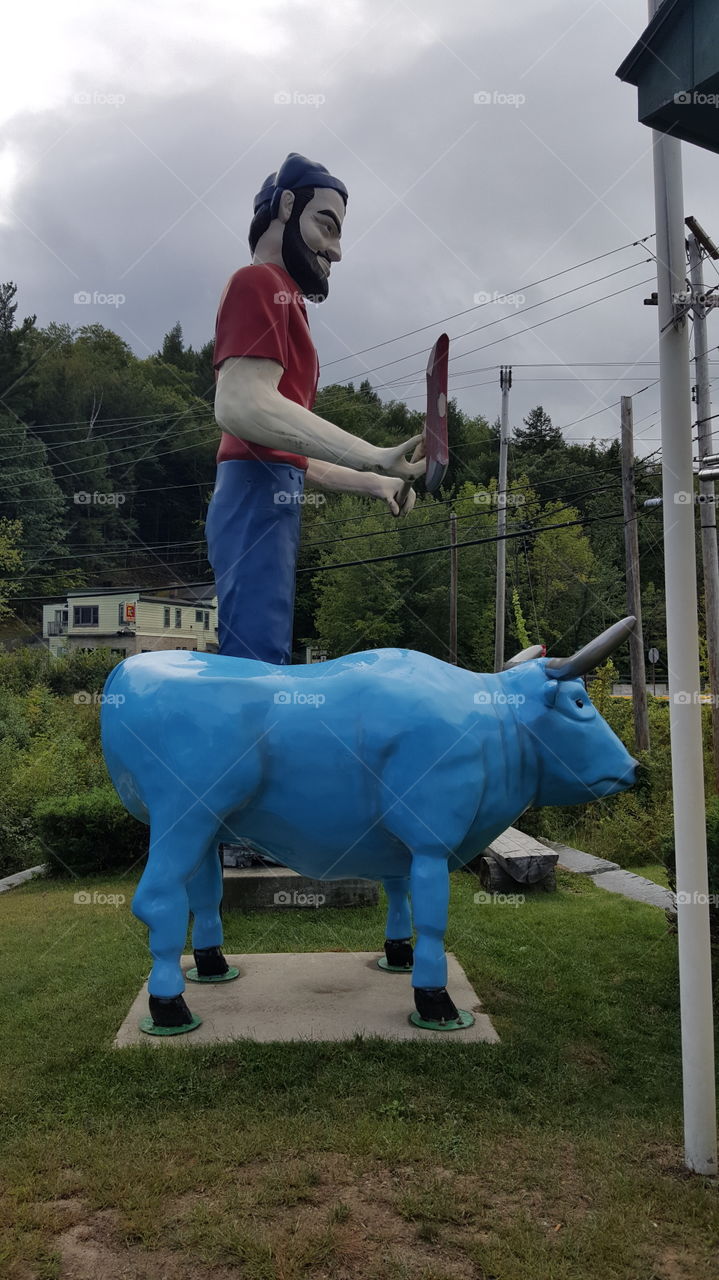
(406, 486)
(402, 493)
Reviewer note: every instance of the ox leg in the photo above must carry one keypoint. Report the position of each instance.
(429, 880)
(398, 934)
(161, 902)
(204, 890)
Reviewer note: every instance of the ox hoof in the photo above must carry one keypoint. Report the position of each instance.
(211, 966)
(436, 1011)
(398, 955)
(169, 1017)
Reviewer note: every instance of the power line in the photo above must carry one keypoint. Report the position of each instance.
(423, 328)
(399, 555)
(500, 320)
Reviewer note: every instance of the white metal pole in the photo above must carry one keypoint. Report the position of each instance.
(695, 979)
(505, 382)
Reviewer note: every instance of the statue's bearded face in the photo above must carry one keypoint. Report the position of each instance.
(311, 242)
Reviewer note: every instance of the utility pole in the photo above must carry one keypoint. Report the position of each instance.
(453, 589)
(634, 594)
(505, 382)
(699, 240)
(695, 976)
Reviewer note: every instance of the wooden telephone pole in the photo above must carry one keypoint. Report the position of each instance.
(699, 241)
(505, 382)
(634, 595)
(453, 589)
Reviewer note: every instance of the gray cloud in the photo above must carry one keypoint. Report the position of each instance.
(449, 198)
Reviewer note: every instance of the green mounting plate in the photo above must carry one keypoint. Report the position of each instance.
(193, 976)
(465, 1019)
(383, 963)
(151, 1029)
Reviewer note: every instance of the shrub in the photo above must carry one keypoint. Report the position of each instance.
(24, 667)
(81, 672)
(19, 846)
(89, 832)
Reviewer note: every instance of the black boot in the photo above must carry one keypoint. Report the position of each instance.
(170, 1012)
(399, 952)
(210, 962)
(434, 1004)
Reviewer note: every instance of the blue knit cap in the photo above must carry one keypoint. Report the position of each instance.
(295, 172)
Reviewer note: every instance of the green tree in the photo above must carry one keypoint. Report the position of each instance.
(16, 372)
(32, 499)
(538, 434)
(360, 606)
(10, 562)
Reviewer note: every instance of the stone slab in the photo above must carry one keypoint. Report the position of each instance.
(522, 857)
(277, 888)
(11, 882)
(577, 860)
(636, 887)
(315, 996)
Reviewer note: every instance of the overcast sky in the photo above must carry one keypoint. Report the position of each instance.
(135, 136)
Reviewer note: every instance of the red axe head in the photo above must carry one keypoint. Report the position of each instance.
(435, 440)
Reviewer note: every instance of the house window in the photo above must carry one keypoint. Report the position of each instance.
(198, 615)
(178, 619)
(121, 613)
(166, 618)
(85, 615)
(207, 620)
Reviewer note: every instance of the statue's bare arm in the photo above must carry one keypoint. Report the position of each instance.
(249, 405)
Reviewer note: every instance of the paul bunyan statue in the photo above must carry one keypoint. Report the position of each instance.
(389, 764)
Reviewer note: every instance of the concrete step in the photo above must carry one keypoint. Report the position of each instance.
(277, 888)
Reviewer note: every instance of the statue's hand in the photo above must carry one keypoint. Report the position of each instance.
(395, 493)
(393, 462)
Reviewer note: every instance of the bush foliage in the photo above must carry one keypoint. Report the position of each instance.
(57, 804)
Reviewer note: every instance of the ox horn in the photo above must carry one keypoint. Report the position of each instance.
(593, 653)
(526, 655)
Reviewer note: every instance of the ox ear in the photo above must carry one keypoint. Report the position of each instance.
(550, 690)
(526, 655)
(594, 653)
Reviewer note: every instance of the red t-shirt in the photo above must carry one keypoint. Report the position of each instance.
(262, 313)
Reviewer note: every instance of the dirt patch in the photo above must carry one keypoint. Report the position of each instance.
(674, 1264)
(585, 1054)
(332, 1217)
(92, 1251)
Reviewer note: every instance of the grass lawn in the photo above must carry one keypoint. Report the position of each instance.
(655, 871)
(556, 1155)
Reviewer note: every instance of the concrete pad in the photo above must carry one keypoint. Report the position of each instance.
(316, 995)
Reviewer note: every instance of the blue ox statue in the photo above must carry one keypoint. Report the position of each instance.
(388, 765)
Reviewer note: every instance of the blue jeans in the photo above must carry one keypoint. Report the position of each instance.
(253, 536)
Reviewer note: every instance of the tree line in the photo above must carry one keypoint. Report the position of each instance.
(107, 466)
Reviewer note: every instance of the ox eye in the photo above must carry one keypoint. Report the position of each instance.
(579, 702)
